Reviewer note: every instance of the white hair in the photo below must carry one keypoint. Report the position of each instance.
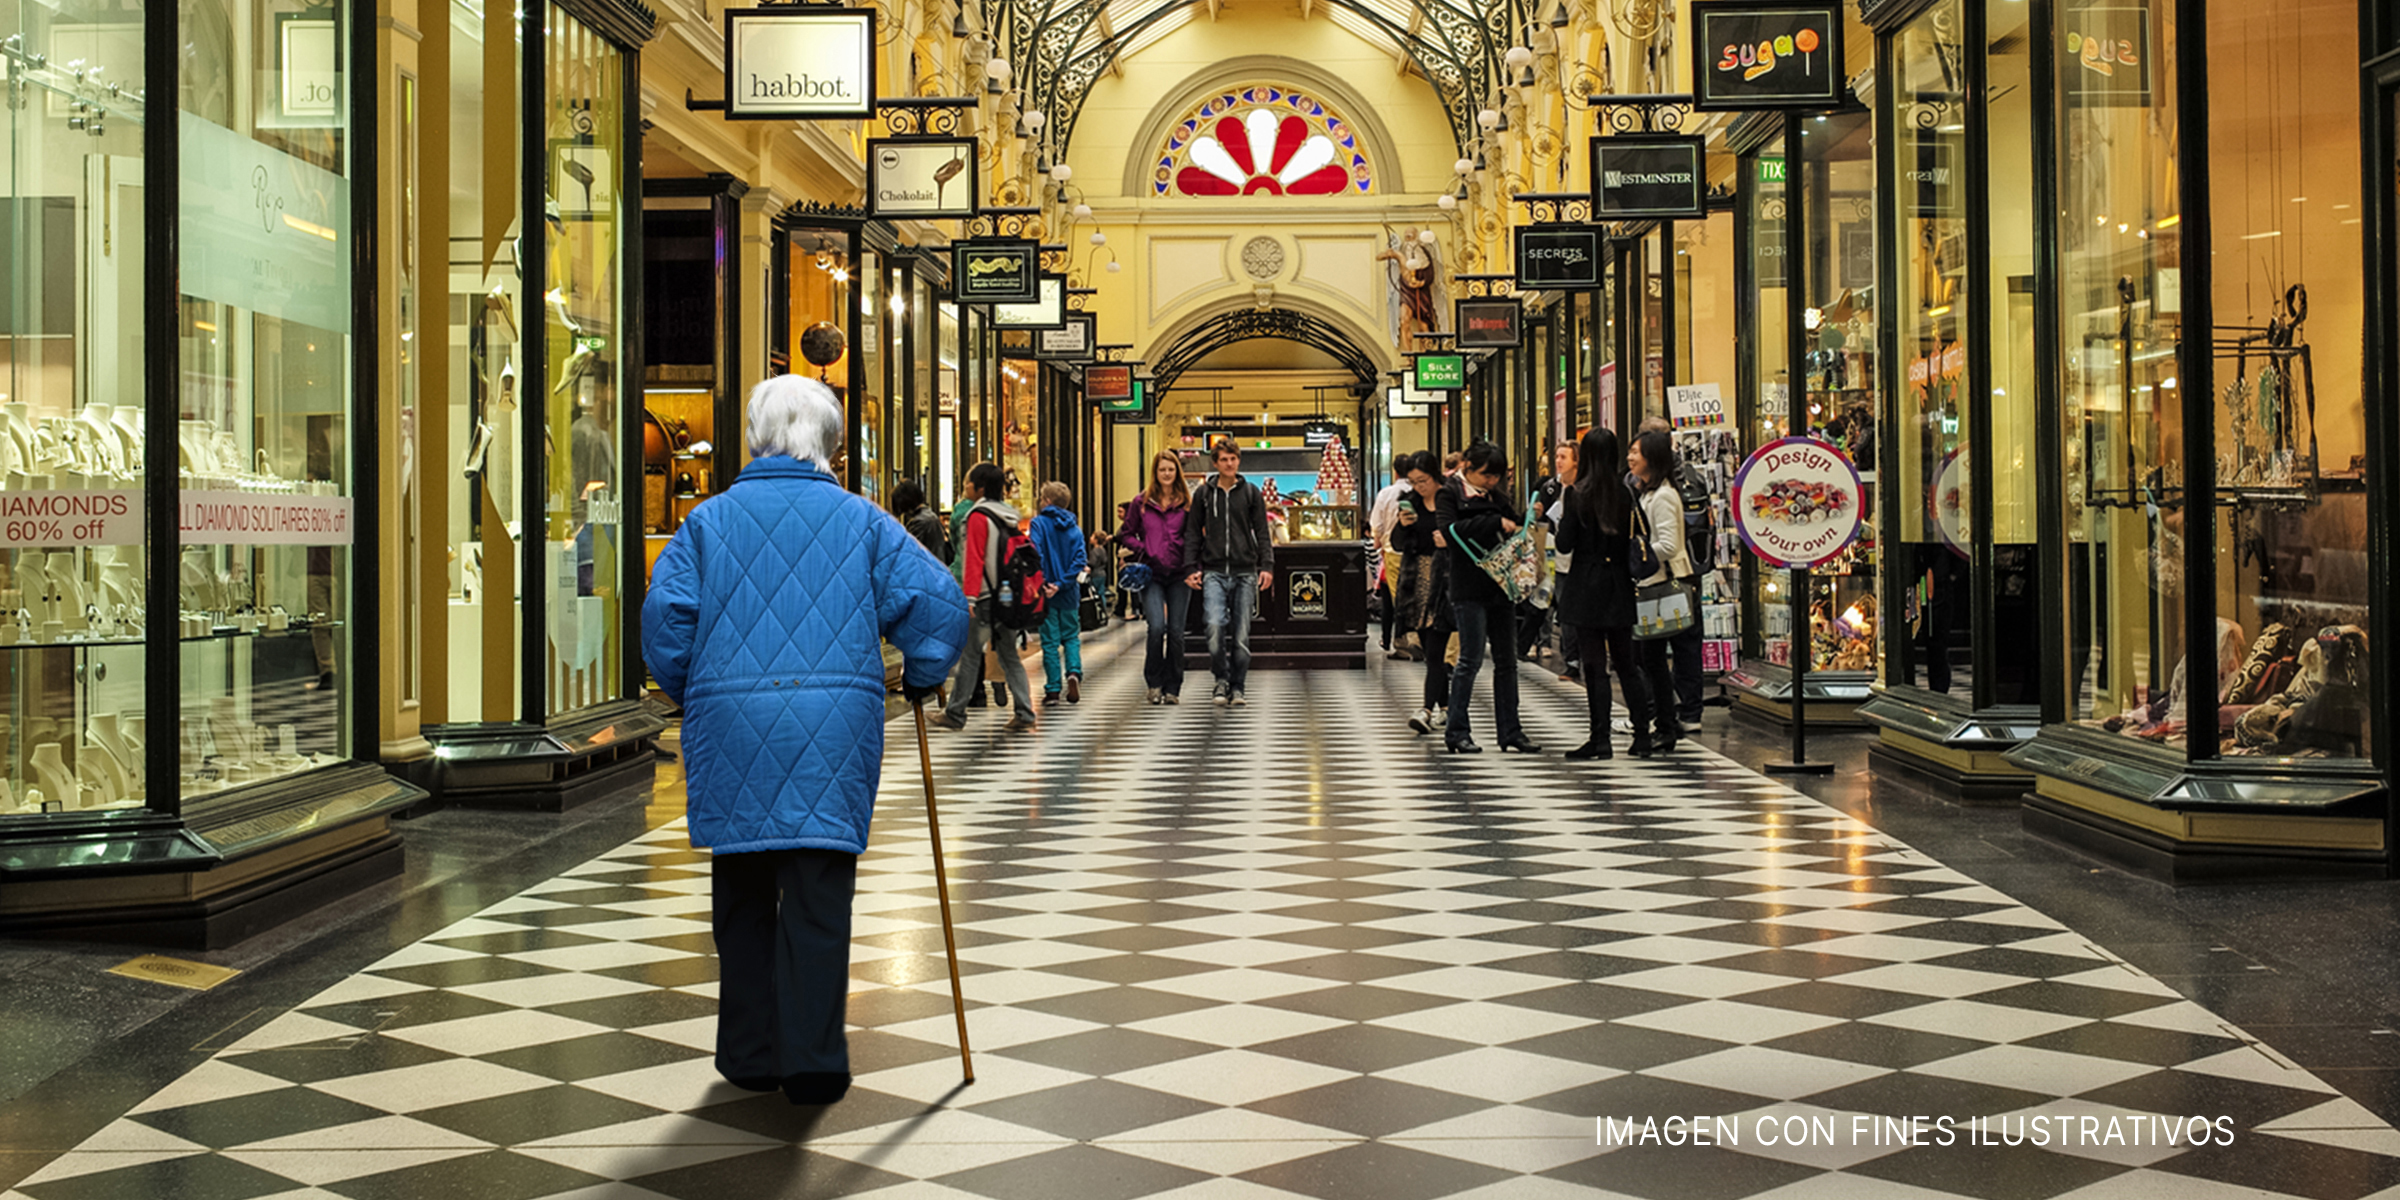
(796, 416)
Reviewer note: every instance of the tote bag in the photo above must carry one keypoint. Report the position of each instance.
(1515, 564)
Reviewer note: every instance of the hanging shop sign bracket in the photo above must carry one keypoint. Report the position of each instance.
(796, 62)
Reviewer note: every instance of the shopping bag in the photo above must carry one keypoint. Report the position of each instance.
(1515, 564)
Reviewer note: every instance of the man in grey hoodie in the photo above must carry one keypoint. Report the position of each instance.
(1237, 561)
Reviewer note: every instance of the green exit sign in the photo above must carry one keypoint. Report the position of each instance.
(1133, 402)
(1770, 170)
(1441, 372)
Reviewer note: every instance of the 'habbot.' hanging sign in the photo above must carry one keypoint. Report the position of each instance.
(799, 63)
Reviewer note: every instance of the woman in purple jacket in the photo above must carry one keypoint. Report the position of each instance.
(1153, 536)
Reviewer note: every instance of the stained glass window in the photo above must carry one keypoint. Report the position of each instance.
(1263, 138)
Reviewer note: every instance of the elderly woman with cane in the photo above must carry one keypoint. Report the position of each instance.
(764, 622)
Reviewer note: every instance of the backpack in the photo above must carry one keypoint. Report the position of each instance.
(1699, 520)
(1019, 604)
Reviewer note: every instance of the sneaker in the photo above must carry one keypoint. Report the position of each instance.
(1156, 696)
(1019, 725)
(1441, 718)
(1221, 695)
(1172, 698)
(1074, 689)
(1622, 725)
(950, 721)
(1240, 700)
(1421, 720)
(1049, 698)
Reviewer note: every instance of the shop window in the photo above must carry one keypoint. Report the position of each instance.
(1937, 334)
(265, 403)
(1263, 139)
(584, 310)
(2287, 350)
(71, 352)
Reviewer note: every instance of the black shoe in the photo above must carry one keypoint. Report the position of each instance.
(1520, 744)
(756, 1085)
(1589, 751)
(1666, 738)
(816, 1087)
(1641, 747)
(1462, 745)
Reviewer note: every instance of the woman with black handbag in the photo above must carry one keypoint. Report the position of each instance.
(1595, 523)
(1660, 525)
(1478, 520)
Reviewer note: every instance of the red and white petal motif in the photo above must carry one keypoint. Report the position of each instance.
(1305, 159)
(1211, 156)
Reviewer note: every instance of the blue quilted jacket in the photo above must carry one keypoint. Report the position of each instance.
(763, 621)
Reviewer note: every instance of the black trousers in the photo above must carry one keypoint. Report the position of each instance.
(1599, 647)
(783, 961)
(1434, 642)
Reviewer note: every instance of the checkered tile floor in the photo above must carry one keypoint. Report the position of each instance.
(1286, 950)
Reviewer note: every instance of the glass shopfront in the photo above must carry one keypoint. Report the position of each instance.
(181, 683)
(2212, 443)
(535, 459)
(1959, 461)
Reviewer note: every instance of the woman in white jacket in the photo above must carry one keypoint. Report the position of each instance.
(1660, 523)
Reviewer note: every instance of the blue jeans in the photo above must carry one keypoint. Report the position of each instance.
(1062, 638)
(1166, 605)
(1477, 625)
(1229, 649)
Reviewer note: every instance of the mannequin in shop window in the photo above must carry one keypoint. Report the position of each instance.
(592, 455)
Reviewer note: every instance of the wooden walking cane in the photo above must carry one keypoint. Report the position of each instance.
(941, 887)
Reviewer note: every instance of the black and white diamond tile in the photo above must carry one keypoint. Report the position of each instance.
(1286, 950)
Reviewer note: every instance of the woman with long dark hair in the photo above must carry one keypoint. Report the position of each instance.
(1475, 518)
(1596, 596)
(1152, 533)
(1659, 521)
(1425, 586)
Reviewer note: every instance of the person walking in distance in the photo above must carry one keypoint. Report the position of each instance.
(1546, 497)
(1660, 523)
(1595, 599)
(765, 620)
(1065, 562)
(919, 519)
(1382, 518)
(1474, 519)
(1152, 531)
(988, 527)
(1425, 587)
(1236, 557)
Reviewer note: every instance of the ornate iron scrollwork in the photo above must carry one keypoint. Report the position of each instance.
(1485, 286)
(1664, 112)
(1556, 208)
(923, 116)
(1250, 325)
(1005, 222)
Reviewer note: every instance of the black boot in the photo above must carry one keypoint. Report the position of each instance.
(1641, 747)
(1596, 749)
(1462, 744)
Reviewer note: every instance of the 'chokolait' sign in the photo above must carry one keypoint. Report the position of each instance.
(1766, 54)
(799, 63)
(925, 178)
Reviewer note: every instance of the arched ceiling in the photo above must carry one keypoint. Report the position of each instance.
(1058, 48)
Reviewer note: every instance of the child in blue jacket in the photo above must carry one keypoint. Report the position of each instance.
(1060, 541)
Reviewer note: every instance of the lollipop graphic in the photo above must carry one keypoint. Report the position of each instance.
(1806, 40)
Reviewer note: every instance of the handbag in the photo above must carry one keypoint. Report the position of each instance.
(1514, 564)
(1094, 616)
(1134, 577)
(1663, 610)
